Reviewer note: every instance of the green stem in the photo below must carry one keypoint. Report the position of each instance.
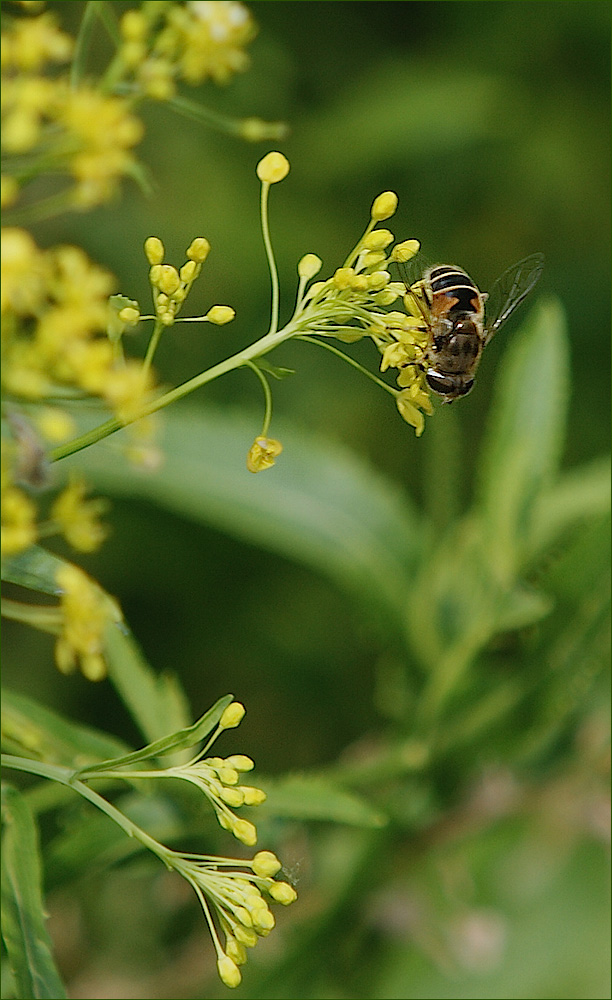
(154, 341)
(265, 190)
(350, 361)
(65, 776)
(256, 350)
(268, 396)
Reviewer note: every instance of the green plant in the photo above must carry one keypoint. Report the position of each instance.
(492, 624)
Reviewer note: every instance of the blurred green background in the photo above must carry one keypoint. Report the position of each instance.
(491, 122)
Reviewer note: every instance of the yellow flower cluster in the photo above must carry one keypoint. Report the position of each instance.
(218, 779)
(194, 41)
(171, 286)
(54, 307)
(84, 618)
(77, 131)
(352, 304)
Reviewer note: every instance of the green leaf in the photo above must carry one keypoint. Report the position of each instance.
(23, 920)
(525, 436)
(156, 702)
(309, 797)
(578, 495)
(320, 505)
(35, 731)
(180, 740)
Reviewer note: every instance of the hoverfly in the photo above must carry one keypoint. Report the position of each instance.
(453, 312)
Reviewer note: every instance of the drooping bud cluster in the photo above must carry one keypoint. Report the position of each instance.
(239, 893)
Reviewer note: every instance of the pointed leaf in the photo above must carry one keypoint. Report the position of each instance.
(526, 433)
(23, 918)
(181, 740)
(313, 797)
(320, 505)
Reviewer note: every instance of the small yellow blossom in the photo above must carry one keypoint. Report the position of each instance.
(263, 453)
(77, 518)
(19, 529)
(55, 424)
(273, 168)
(84, 620)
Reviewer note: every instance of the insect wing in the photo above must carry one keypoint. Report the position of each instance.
(509, 291)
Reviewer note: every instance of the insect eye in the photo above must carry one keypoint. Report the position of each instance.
(440, 383)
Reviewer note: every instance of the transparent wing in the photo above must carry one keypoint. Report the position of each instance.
(509, 291)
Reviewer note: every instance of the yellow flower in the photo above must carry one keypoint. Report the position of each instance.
(263, 453)
(31, 43)
(84, 619)
(18, 521)
(208, 39)
(77, 518)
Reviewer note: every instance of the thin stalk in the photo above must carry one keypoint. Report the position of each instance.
(258, 349)
(267, 394)
(265, 190)
(65, 776)
(350, 361)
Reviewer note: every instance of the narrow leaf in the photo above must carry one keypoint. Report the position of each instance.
(33, 730)
(23, 926)
(183, 739)
(321, 505)
(314, 797)
(525, 437)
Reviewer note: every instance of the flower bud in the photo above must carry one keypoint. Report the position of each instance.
(282, 892)
(273, 168)
(405, 251)
(265, 863)
(168, 280)
(154, 250)
(232, 716)
(309, 265)
(220, 315)
(384, 206)
(188, 271)
(229, 973)
(199, 250)
(378, 239)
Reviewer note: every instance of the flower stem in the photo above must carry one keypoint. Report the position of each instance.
(255, 350)
(65, 776)
(265, 228)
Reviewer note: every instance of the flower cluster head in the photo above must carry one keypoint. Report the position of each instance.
(354, 303)
(84, 617)
(171, 286)
(193, 41)
(238, 893)
(79, 131)
(54, 327)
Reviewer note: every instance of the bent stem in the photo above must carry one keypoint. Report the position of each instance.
(65, 776)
